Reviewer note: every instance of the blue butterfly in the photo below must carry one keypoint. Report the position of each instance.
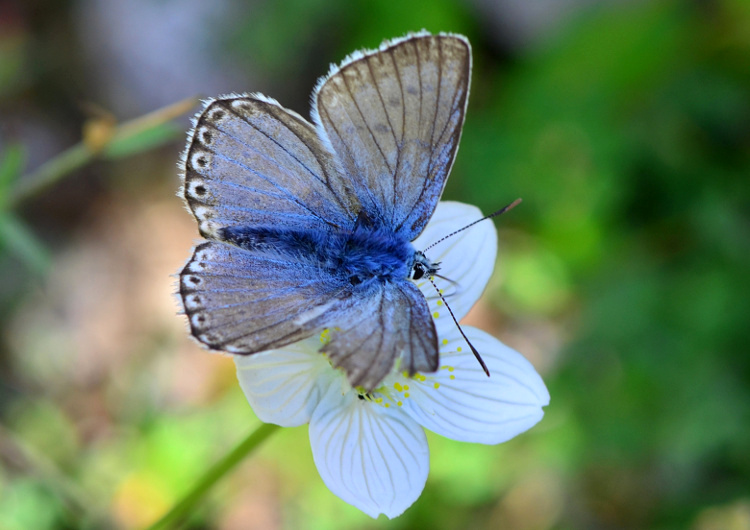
(309, 226)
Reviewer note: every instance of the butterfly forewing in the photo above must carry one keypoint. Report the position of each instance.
(252, 162)
(394, 119)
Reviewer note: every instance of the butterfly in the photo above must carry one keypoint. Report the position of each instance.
(308, 226)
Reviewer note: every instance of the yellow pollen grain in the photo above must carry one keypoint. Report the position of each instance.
(453, 376)
(436, 385)
(398, 386)
(387, 405)
(405, 374)
(406, 387)
(379, 400)
(406, 394)
(445, 342)
(436, 314)
(439, 302)
(399, 403)
(450, 368)
(458, 349)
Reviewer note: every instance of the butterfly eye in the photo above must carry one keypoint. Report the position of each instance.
(422, 267)
(418, 271)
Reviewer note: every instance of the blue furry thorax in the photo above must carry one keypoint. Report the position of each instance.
(360, 256)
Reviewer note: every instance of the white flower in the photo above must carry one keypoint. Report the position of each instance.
(371, 449)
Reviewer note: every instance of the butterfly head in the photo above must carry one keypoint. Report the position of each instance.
(422, 267)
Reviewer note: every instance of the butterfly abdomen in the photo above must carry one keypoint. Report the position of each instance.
(360, 256)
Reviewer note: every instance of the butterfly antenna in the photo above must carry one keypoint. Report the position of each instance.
(454, 282)
(473, 349)
(494, 214)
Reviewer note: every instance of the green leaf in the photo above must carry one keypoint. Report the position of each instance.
(124, 145)
(19, 240)
(12, 163)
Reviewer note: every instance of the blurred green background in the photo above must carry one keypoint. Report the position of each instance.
(624, 276)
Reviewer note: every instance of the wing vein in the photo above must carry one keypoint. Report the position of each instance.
(278, 144)
(285, 191)
(364, 120)
(366, 189)
(437, 99)
(394, 170)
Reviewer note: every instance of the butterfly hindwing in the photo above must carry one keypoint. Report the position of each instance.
(250, 161)
(394, 118)
(392, 322)
(244, 303)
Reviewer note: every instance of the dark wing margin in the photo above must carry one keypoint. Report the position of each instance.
(394, 322)
(244, 303)
(250, 161)
(394, 119)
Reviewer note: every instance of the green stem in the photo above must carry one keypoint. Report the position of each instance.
(81, 154)
(180, 510)
(50, 172)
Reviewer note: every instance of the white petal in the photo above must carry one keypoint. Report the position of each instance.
(372, 457)
(285, 386)
(462, 403)
(468, 258)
